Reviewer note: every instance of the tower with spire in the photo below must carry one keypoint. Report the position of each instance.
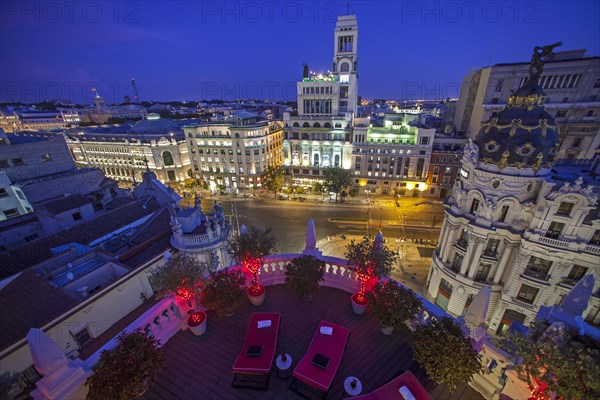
(514, 222)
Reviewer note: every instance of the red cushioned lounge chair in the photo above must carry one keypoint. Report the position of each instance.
(392, 390)
(252, 368)
(320, 363)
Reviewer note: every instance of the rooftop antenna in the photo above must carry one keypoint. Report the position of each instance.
(136, 95)
(492, 53)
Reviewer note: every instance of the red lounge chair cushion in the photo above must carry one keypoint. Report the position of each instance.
(255, 336)
(331, 346)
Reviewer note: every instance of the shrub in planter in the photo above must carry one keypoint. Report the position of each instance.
(250, 248)
(368, 259)
(224, 291)
(303, 275)
(393, 305)
(126, 371)
(445, 353)
(182, 277)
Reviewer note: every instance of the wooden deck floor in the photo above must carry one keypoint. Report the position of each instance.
(199, 367)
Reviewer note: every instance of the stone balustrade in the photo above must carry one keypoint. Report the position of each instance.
(163, 321)
(592, 248)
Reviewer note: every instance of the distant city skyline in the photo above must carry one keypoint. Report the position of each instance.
(231, 50)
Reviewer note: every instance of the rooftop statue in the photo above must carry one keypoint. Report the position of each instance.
(537, 60)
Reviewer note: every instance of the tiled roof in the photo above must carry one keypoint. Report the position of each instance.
(29, 302)
(150, 239)
(32, 253)
(66, 203)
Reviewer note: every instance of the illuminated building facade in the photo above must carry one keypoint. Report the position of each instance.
(233, 151)
(123, 151)
(320, 135)
(391, 156)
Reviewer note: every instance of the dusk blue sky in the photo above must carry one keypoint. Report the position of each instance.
(185, 50)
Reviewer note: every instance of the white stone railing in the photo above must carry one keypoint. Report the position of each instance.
(337, 273)
(550, 241)
(163, 321)
(205, 238)
(592, 248)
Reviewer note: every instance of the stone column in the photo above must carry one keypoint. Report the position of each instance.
(465, 261)
(442, 238)
(503, 260)
(448, 243)
(478, 250)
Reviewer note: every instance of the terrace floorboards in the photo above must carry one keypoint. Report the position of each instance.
(199, 367)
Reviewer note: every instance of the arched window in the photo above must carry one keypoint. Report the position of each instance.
(344, 67)
(327, 125)
(296, 125)
(306, 125)
(316, 125)
(237, 135)
(338, 125)
(167, 158)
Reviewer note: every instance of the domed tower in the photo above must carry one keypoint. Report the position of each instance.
(496, 224)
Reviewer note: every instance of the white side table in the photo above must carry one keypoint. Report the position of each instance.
(352, 390)
(283, 367)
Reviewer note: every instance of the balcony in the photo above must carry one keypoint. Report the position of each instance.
(490, 254)
(552, 234)
(522, 303)
(200, 367)
(566, 281)
(536, 274)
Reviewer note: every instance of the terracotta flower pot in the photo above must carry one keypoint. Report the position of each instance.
(197, 323)
(359, 303)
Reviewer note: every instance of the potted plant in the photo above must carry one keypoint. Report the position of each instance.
(445, 353)
(126, 371)
(224, 291)
(250, 248)
(369, 260)
(182, 277)
(197, 322)
(393, 305)
(303, 275)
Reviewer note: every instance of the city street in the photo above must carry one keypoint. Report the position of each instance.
(355, 218)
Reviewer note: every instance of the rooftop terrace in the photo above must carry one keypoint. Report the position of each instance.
(199, 367)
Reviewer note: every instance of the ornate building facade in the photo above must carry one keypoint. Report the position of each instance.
(515, 222)
(233, 151)
(320, 135)
(571, 81)
(122, 152)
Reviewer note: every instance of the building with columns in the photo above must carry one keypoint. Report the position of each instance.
(319, 135)
(124, 152)
(516, 222)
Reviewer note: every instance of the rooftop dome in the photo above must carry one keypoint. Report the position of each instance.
(523, 134)
(154, 124)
